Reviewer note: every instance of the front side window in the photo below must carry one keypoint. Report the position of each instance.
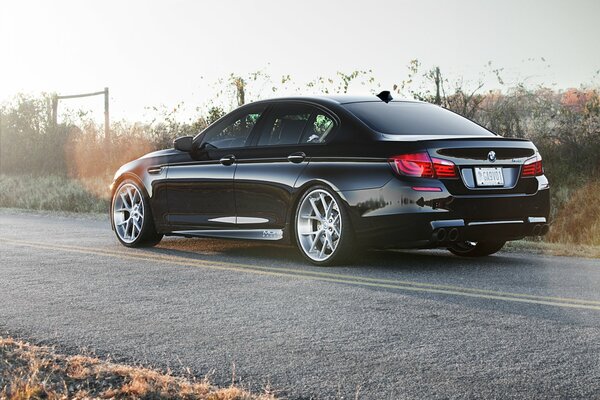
(232, 132)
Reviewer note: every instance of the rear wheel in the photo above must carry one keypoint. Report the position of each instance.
(132, 217)
(323, 232)
(475, 249)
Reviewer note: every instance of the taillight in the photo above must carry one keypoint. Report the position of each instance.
(444, 168)
(422, 166)
(533, 166)
(416, 164)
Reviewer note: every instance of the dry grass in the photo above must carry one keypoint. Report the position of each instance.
(553, 249)
(54, 193)
(34, 372)
(578, 220)
(92, 162)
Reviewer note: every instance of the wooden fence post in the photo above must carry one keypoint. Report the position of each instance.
(56, 98)
(106, 117)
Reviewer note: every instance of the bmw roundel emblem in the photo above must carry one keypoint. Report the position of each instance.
(492, 156)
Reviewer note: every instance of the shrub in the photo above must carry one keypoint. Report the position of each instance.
(50, 192)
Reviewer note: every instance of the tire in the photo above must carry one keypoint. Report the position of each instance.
(323, 232)
(475, 249)
(131, 216)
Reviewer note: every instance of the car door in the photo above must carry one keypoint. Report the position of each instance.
(267, 170)
(200, 192)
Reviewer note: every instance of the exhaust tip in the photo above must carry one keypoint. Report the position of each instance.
(544, 229)
(453, 235)
(537, 229)
(440, 235)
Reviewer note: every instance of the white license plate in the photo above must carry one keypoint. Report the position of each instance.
(489, 177)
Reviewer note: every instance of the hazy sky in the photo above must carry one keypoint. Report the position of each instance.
(156, 52)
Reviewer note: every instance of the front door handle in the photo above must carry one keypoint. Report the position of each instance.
(297, 157)
(155, 170)
(227, 160)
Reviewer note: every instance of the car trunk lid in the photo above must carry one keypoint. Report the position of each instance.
(485, 165)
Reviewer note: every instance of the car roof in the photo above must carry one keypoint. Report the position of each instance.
(337, 99)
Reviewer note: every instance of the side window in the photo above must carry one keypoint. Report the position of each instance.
(286, 125)
(232, 132)
(319, 127)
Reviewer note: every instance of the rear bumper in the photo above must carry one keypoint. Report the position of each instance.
(398, 216)
(445, 232)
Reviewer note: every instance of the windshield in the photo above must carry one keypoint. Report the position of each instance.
(408, 118)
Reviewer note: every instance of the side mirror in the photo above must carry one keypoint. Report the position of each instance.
(183, 143)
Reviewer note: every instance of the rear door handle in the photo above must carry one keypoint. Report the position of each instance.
(227, 160)
(297, 157)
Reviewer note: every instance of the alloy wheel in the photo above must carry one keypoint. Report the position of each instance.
(319, 225)
(128, 213)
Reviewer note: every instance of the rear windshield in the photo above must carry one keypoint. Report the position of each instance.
(407, 118)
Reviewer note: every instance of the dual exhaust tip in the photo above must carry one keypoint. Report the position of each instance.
(443, 235)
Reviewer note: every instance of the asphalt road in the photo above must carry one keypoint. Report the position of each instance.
(393, 325)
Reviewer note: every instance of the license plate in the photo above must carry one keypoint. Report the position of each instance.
(489, 177)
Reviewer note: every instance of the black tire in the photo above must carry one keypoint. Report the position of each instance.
(147, 235)
(345, 245)
(475, 249)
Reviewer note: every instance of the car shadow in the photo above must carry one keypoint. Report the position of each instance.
(264, 254)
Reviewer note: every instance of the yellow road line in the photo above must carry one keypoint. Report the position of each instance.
(323, 276)
(154, 257)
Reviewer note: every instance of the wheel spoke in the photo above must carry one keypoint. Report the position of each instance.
(329, 209)
(313, 246)
(310, 233)
(331, 241)
(315, 209)
(323, 248)
(128, 228)
(324, 203)
(124, 200)
(136, 197)
(336, 231)
(308, 216)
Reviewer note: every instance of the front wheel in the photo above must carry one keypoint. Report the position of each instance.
(475, 249)
(132, 217)
(323, 232)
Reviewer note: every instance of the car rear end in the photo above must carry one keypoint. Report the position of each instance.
(455, 185)
(489, 190)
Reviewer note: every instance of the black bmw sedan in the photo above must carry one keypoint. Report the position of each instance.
(334, 174)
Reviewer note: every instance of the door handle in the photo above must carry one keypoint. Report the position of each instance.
(296, 157)
(227, 160)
